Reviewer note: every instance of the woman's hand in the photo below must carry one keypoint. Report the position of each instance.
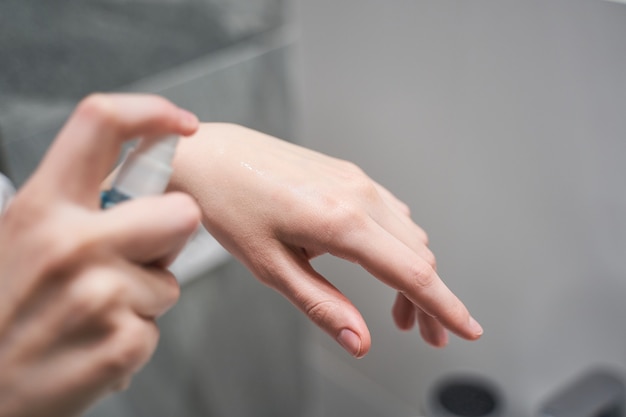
(80, 288)
(275, 206)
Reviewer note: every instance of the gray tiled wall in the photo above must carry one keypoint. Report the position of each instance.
(231, 347)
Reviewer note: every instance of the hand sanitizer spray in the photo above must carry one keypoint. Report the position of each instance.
(146, 170)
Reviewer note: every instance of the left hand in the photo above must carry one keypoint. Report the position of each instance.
(275, 206)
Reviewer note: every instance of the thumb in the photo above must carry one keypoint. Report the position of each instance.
(90, 142)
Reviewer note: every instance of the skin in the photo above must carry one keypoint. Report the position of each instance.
(81, 288)
(275, 206)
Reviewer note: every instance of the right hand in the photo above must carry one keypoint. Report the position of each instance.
(80, 288)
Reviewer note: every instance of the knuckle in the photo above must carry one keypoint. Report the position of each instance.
(347, 215)
(340, 219)
(131, 348)
(346, 209)
(356, 179)
(94, 294)
(422, 276)
(65, 253)
(323, 312)
(268, 268)
(94, 104)
(351, 169)
(98, 108)
(358, 185)
(130, 356)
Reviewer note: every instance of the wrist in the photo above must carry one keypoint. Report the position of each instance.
(201, 160)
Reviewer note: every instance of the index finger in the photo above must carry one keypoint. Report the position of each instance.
(91, 140)
(398, 266)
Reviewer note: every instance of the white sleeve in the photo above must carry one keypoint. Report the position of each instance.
(6, 192)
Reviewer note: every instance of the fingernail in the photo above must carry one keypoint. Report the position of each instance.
(475, 327)
(188, 119)
(350, 342)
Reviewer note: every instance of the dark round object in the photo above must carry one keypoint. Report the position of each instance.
(467, 400)
(464, 396)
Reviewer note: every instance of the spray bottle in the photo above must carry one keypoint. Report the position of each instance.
(146, 170)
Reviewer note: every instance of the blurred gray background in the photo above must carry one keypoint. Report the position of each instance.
(500, 122)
